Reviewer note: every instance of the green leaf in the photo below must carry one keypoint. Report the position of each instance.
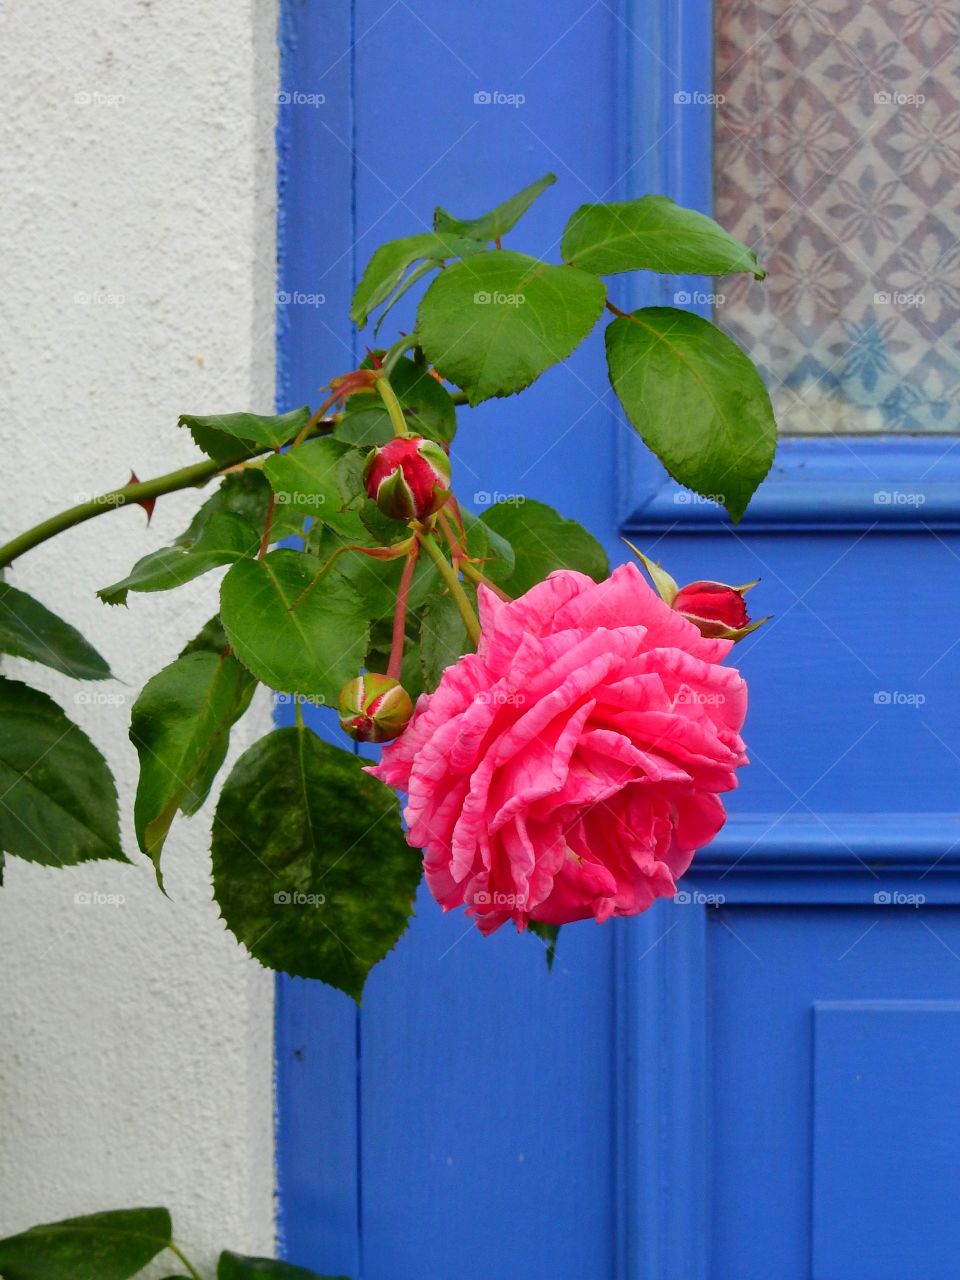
(542, 541)
(653, 234)
(225, 436)
(409, 280)
(180, 727)
(58, 802)
(548, 935)
(226, 528)
(297, 631)
(496, 223)
(385, 269)
(427, 405)
(29, 630)
(443, 637)
(492, 324)
(101, 1246)
(697, 401)
(235, 1266)
(305, 479)
(211, 638)
(310, 867)
(365, 422)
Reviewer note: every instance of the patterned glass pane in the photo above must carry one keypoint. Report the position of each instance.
(837, 157)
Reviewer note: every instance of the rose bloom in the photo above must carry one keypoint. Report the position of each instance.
(573, 765)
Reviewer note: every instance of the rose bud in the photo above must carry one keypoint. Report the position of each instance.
(374, 708)
(718, 610)
(408, 478)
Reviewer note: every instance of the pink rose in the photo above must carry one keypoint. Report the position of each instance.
(572, 766)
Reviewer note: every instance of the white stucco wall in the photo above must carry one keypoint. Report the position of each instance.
(136, 164)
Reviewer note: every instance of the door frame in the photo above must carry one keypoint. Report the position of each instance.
(817, 485)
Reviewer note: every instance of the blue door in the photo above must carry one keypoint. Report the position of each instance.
(759, 1079)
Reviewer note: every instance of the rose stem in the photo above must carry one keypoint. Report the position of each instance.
(400, 612)
(389, 398)
(449, 576)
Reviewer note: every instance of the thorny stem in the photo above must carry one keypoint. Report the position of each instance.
(400, 612)
(198, 473)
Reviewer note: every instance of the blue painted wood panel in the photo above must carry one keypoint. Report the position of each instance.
(674, 1103)
(886, 1136)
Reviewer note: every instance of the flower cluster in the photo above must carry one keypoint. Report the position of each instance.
(573, 765)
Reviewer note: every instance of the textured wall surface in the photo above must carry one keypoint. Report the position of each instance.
(137, 164)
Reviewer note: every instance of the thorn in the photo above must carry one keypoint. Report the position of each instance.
(148, 503)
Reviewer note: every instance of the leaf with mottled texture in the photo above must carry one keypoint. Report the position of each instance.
(101, 1246)
(29, 630)
(696, 400)
(58, 802)
(653, 234)
(310, 868)
(297, 629)
(180, 727)
(492, 324)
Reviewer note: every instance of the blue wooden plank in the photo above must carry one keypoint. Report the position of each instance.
(886, 1137)
(315, 1027)
(767, 967)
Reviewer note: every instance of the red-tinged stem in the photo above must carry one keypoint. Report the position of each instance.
(473, 573)
(400, 612)
(267, 525)
(315, 419)
(456, 546)
(612, 306)
(461, 560)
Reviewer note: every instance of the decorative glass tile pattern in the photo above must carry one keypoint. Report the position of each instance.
(837, 157)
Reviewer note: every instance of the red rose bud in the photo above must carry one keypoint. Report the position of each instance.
(718, 610)
(408, 478)
(374, 708)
